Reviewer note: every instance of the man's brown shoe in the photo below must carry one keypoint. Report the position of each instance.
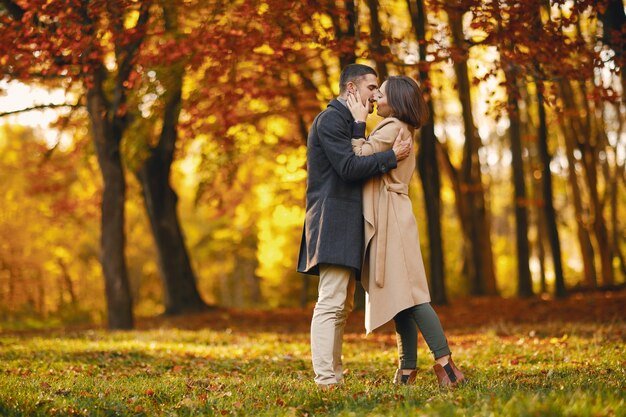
(327, 387)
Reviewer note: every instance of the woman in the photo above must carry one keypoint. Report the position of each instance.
(393, 272)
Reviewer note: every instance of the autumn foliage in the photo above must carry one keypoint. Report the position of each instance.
(183, 166)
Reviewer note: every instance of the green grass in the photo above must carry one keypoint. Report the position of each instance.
(557, 369)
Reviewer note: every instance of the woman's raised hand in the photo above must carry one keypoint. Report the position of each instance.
(356, 107)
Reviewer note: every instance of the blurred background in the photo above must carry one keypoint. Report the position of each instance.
(153, 153)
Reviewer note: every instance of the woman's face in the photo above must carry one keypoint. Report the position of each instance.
(382, 105)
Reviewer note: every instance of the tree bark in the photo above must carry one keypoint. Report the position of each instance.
(589, 144)
(524, 281)
(107, 142)
(66, 281)
(179, 281)
(108, 123)
(617, 234)
(582, 218)
(552, 229)
(474, 218)
(613, 23)
(346, 31)
(596, 141)
(511, 74)
(380, 51)
(541, 249)
(427, 164)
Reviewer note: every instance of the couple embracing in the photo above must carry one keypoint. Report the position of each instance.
(359, 224)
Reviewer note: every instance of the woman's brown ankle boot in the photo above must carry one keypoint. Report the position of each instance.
(401, 378)
(449, 375)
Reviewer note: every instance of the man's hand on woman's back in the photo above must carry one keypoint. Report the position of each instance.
(402, 145)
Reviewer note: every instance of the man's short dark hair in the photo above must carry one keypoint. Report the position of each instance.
(352, 73)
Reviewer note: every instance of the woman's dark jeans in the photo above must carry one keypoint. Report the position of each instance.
(424, 318)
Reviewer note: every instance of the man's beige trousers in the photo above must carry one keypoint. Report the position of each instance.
(335, 300)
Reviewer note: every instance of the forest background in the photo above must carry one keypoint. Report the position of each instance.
(173, 176)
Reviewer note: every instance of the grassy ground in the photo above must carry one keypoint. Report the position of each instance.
(552, 367)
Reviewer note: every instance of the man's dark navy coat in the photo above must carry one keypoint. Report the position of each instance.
(333, 225)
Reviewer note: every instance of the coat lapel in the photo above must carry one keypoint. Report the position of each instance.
(383, 122)
(342, 109)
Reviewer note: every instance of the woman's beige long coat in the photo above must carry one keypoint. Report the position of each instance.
(393, 272)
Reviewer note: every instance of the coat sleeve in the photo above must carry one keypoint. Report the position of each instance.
(334, 135)
(360, 147)
(380, 141)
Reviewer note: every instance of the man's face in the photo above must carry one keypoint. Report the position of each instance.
(382, 104)
(367, 85)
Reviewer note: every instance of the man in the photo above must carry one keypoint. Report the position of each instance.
(332, 238)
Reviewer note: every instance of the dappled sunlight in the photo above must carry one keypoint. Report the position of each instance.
(204, 371)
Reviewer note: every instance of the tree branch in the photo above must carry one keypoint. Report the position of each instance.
(40, 107)
(125, 64)
(37, 75)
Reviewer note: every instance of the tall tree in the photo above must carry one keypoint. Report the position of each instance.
(474, 216)
(427, 161)
(512, 74)
(524, 282)
(380, 51)
(546, 176)
(582, 217)
(613, 19)
(345, 24)
(111, 29)
(179, 281)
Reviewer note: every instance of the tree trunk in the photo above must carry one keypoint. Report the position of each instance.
(589, 145)
(552, 230)
(582, 219)
(345, 30)
(428, 167)
(41, 294)
(617, 234)
(380, 51)
(107, 143)
(246, 289)
(541, 250)
(595, 141)
(613, 22)
(474, 217)
(524, 281)
(67, 283)
(179, 281)
(599, 224)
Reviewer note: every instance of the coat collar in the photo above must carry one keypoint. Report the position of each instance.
(342, 109)
(386, 121)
